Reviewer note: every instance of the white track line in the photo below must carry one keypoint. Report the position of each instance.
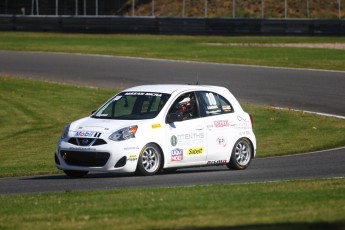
(316, 113)
(298, 154)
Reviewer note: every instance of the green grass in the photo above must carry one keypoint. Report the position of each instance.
(310, 204)
(33, 114)
(283, 132)
(184, 48)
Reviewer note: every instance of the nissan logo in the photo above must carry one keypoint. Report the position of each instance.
(85, 141)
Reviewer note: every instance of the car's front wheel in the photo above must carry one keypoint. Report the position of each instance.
(150, 160)
(75, 173)
(241, 155)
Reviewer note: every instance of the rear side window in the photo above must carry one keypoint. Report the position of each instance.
(213, 104)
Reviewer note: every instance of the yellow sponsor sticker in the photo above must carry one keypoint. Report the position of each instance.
(156, 126)
(196, 151)
(133, 156)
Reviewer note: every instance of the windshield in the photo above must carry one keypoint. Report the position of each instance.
(133, 106)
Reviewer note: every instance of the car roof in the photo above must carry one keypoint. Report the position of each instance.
(171, 88)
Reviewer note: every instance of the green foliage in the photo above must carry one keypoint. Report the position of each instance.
(244, 8)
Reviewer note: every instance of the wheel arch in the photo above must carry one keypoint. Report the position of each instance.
(244, 159)
(160, 148)
(251, 145)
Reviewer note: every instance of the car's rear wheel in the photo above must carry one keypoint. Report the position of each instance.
(150, 160)
(241, 155)
(75, 173)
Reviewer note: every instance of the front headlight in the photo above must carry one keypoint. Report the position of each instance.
(124, 134)
(65, 131)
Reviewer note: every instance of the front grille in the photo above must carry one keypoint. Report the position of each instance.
(89, 159)
(86, 141)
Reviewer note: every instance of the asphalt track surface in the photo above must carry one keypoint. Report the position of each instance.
(312, 90)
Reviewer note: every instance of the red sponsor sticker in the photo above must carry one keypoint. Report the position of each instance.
(221, 123)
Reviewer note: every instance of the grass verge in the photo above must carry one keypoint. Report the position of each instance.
(193, 48)
(34, 113)
(309, 204)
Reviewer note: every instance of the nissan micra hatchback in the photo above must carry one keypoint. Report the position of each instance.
(152, 128)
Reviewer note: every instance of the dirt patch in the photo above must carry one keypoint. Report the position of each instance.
(336, 45)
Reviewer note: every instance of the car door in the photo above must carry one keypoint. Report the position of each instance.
(220, 121)
(186, 138)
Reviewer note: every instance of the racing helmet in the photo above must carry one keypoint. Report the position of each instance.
(185, 106)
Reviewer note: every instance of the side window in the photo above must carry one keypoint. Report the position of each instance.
(213, 104)
(186, 103)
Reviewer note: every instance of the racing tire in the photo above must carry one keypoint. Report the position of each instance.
(241, 155)
(75, 173)
(150, 160)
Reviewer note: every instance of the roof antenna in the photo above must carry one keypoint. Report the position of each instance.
(197, 78)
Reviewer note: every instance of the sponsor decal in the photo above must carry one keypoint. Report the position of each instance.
(221, 141)
(210, 107)
(209, 127)
(187, 139)
(177, 154)
(83, 149)
(132, 157)
(221, 123)
(244, 133)
(239, 118)
(196, 138)
(144, 94)
(226, 107)
(243, 126)
(173, 140)
(196, 151)
(191, 136)
(87, 134)
(131, 148)
(156, 126)
(217, 162)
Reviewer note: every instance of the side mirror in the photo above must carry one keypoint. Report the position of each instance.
(173, 117)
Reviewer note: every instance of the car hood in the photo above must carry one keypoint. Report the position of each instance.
(92, 127)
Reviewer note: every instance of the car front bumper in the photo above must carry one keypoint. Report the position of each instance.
(110, 157)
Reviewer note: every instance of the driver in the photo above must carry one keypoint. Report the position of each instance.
(184, 104)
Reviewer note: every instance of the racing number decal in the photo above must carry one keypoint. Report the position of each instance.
(211, 99)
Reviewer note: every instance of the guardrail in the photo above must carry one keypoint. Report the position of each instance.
(177, 26)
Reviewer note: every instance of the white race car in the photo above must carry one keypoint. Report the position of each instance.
(152, 128)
